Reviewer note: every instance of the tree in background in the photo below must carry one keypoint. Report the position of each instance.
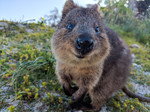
(118, 14)
(139, 7)
(53, 18)
(143, 6)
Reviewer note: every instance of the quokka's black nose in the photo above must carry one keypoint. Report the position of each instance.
(84, 44)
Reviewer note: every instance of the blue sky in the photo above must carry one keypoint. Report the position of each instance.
(22, 10)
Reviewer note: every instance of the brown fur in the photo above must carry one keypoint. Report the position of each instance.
(102, 71)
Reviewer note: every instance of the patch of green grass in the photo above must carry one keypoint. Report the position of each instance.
(142, 54)
(116, 13)
(120, 103)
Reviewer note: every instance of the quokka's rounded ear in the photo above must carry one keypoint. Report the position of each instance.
(95, 7)
(69, 5)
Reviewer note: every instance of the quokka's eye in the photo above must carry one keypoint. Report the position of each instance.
(97, 30)
(70, 26)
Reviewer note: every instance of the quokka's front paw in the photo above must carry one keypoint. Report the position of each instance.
(79, 106)
(74, 105)
(70, 91)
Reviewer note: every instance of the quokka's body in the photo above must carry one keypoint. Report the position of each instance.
(89, 54)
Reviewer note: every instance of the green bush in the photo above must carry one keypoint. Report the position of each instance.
(118, 14)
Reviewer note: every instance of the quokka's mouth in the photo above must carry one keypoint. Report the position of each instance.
(80, 56)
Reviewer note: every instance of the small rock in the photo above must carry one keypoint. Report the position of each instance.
(133, 56)
(39, 104)
(137, 67)
(14, 31)
(21, 25)
(104, 109)
(4, 24)
(15, 50)
(1, 28)
(4, 89)
(3, 110)
(4, 47)
(29, 30)
(135, 46)
(14, 103)
(141, 89)
(147, 73)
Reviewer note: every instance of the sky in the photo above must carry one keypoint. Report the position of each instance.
(22, 10)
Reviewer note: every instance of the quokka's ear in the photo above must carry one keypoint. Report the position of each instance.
(69, 5)
(95, 7)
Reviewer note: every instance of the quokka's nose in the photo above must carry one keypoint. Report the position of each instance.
(84, 44)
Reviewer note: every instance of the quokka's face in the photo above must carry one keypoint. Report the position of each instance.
(80, 38)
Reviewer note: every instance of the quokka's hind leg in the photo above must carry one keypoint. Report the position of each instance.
(77, 97)
(79, 106)
(99, 96)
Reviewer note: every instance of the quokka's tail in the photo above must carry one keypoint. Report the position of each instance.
(133, 95)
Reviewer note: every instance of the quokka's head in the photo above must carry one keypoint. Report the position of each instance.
(80, 38)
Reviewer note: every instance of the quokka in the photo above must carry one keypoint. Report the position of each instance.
(91, 55)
